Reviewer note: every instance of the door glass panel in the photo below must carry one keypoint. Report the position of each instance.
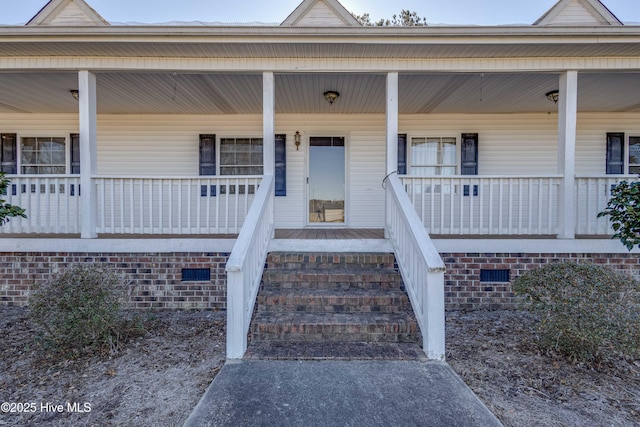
(326, 180)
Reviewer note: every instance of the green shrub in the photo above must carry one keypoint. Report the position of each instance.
(623, 210)
(79, 311)
(588, 312)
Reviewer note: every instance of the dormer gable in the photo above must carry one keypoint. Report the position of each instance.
(578, 13)
(67, 13)
(320, 13)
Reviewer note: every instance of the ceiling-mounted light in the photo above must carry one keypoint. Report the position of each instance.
(75, 94)
(553, 96)
(297, 138)
(331, 96)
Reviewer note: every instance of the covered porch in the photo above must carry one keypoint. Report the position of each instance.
(535, 168)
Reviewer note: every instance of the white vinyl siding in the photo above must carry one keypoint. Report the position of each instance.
(168, 146)
(320, 15)
(71, 15)
(575, 13)
(591, 154)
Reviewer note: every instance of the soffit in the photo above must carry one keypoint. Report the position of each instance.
(168, 93)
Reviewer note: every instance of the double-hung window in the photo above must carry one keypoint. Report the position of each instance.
(43, 155)
(623, 156)
(634, 155)
(241, 156)
(433, 156)
(39, 155)
(229, 156)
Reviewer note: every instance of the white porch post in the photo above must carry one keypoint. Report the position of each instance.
(567, 124)
(392, 134)
(268, 122)
(269, 129)
(88, 152)
(392, 122)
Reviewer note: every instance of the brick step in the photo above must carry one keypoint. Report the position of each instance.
(284, 350)
(333, 301)
(331, 279)
(327, 261)
(335, 327)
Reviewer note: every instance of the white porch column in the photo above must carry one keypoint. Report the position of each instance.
(392, 123)
(567, 124)
(392, 135)
(268, 122)
(88, 152)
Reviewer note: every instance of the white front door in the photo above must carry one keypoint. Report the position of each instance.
(326, 181)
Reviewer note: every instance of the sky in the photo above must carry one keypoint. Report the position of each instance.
(480, 12)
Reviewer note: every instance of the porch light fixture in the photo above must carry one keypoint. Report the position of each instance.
(553, 96)
(297, 138)
(331, 96)
(75, 94)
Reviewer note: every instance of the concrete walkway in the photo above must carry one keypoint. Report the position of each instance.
(332, 393)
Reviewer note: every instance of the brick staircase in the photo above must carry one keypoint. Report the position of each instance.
(333, 306)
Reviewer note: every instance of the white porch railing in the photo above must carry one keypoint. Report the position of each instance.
(486, 205)
(420, 264)
(51, 203)
(245, 267)
(592, 196)
(149, 205)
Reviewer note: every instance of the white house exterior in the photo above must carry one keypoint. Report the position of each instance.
(158, 165)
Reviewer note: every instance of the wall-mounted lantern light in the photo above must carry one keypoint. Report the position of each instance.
(296, 139)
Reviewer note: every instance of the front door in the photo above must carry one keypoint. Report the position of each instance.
(326, 189)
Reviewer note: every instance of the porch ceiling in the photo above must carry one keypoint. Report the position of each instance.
(166, 93)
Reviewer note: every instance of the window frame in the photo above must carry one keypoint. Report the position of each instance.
(627, 153)
(430, 135)
(219, 153)
(67, 152)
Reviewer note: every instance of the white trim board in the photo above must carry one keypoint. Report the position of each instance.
(150, 245)
(546, 246)
(142, 245)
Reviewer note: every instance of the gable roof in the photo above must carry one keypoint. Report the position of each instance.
(321, 13)
(67, 13)
(578, 12)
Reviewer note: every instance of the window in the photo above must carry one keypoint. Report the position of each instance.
(634, 154)
(241, 156)
(623, 156)
(433, 156)
(43, 155)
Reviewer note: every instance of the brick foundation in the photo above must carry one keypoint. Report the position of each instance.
(155, 277)
(465, 291)
(157, 282)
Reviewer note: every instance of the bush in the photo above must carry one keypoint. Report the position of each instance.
(588, 312)
(79, 311)
(623, 210)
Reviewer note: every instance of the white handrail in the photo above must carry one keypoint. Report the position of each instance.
(420, 264)
(174, 205)
(52, 204)
(245, 267)
(486, 205)
(592, 195)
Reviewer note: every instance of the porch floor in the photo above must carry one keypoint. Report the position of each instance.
(330, 233)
